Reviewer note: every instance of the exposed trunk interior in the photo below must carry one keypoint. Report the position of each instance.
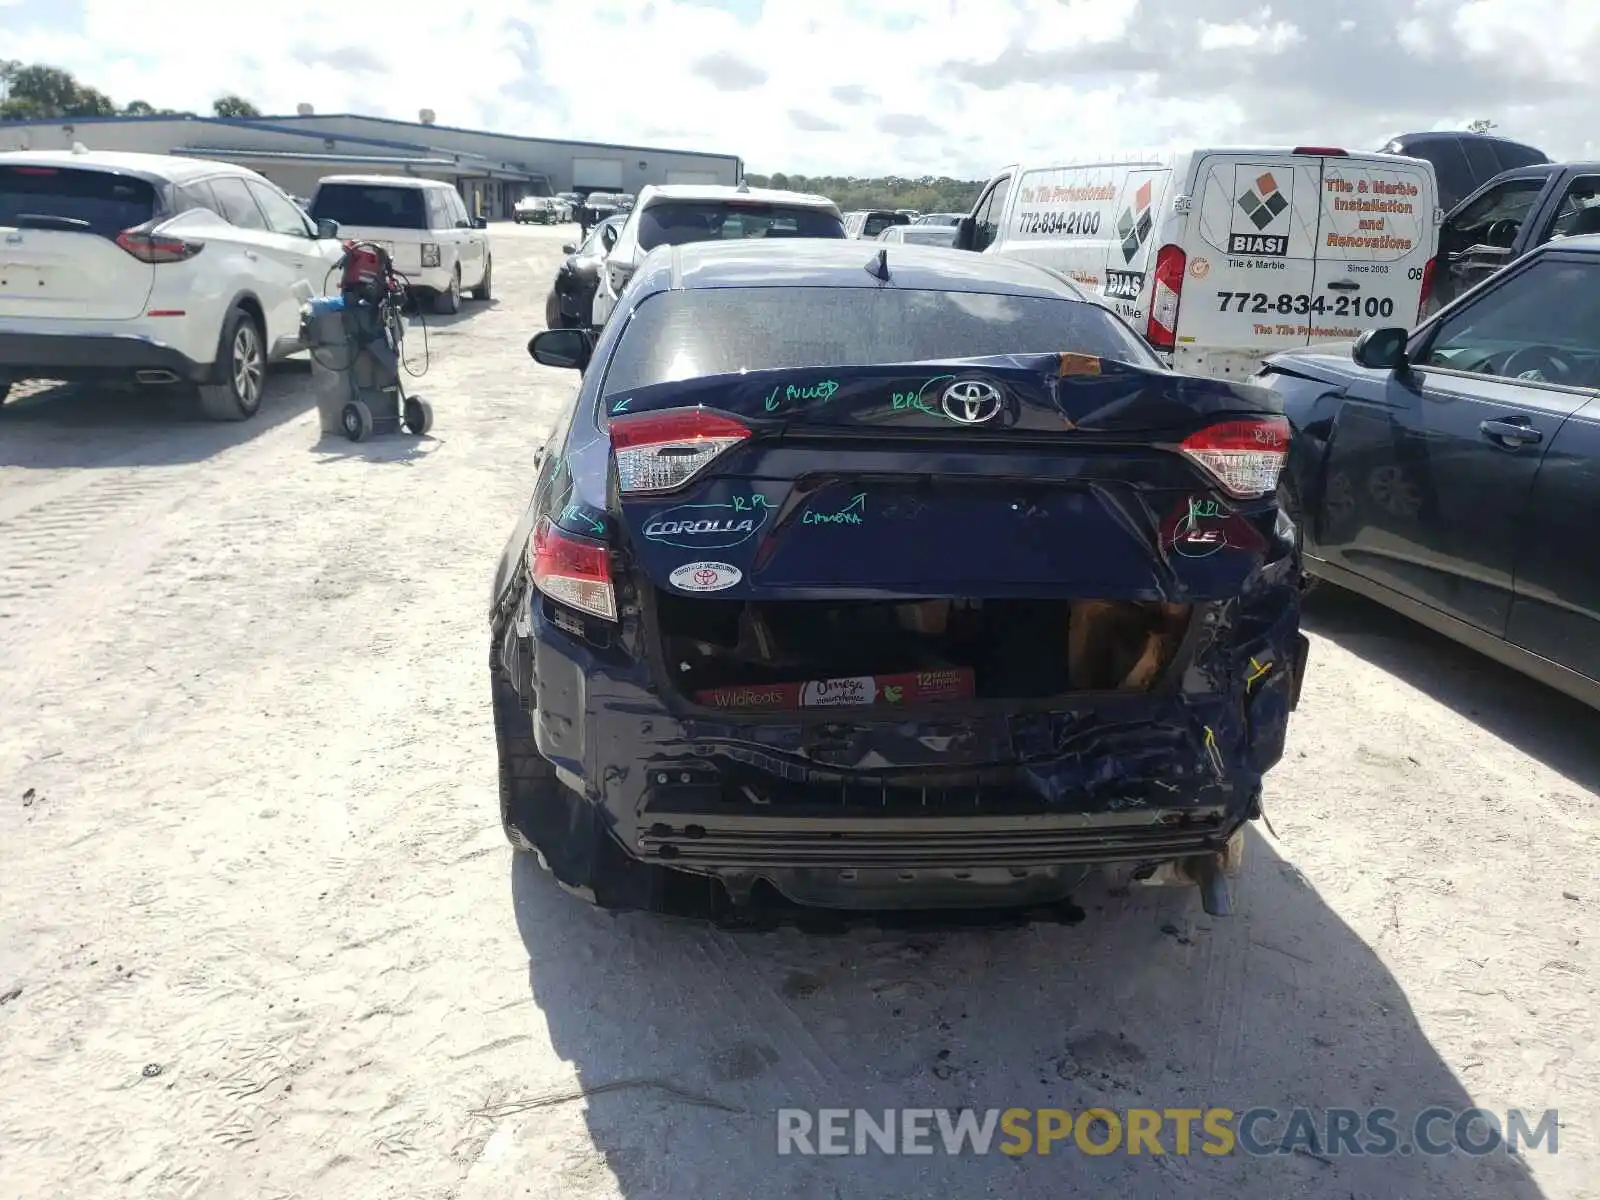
(734, 654)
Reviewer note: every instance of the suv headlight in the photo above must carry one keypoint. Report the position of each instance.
(430, 254)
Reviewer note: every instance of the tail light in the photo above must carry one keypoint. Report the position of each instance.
(1245, 457)
(155, 248)
(1427, 286)
(430, 254)
(660, 451)
(572, 572)
(1321, 151)
(1162, 331)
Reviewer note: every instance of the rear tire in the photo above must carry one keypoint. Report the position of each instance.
(485, 289)
(418, 415)
(356, 421)
(528, 782)
(448, 302)
(242, 363)
(552, 311)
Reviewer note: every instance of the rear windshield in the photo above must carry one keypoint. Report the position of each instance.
(370, 204)
(679, 221)
(105, 203)
(878, 222)
(716, 331)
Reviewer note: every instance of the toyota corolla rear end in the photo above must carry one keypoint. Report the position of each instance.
(935, 633)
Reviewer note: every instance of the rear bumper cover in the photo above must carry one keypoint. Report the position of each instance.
(973, 808)
(91, 356)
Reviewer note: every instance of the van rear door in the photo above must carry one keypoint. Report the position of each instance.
(1377, 235)
(1250, 258)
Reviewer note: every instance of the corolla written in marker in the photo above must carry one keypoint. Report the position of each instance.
(850, 514)
(709, 526)
(916, 400)
(822, 391)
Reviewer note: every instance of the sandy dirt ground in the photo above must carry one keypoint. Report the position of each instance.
(260, 934)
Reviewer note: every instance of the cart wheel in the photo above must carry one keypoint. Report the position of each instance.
(357, 421)
(419, 415)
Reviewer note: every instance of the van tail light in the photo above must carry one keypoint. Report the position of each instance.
(1245, 456)
(155, 248)
(1427, 286)
(572, 571)
(660, 451)
(1162, 332)
(1321, 151)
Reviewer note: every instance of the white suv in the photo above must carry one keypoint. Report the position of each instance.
(154, 269)
(437, 247)
(692, 212)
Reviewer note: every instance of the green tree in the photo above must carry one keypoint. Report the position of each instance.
(926, 193)
(38, 91)
(1481, 125)
(234, 106)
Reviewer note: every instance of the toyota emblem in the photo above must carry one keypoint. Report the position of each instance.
(971, 401)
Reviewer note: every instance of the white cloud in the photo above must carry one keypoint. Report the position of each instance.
(857, 86)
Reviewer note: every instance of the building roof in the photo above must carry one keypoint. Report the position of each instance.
(842, 263)
(510, 137)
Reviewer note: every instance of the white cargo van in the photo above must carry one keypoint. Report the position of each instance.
(1223, 256)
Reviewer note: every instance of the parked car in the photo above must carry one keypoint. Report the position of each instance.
(155, 269)
(438, 248)
(1464, 161)
(1452, 472)
(1510, 215)
(571, 299)
(870, 223)
(920, 235)
(674, 214)
(1221, 256)
(939, 219)
(536, 210)
(821, 590)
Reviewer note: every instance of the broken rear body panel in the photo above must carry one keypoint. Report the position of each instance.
(1069, 524)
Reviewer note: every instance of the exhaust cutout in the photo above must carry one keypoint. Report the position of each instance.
(155, 376)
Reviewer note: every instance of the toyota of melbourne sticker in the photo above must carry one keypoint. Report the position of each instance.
(705, 577)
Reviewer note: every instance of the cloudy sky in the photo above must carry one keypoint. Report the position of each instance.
(861, 86)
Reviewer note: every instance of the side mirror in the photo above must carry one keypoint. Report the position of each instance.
(480, 222)
(569, 248)
(1381, 349)
(568, 349)
(327, 228)
(966, 234)
(608, 236)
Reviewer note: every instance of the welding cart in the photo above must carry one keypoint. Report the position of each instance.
(355, 340)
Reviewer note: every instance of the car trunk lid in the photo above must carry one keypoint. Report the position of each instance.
(59, 255)
(1015, 476)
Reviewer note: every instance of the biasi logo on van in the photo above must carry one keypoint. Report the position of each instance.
(1134, 226)
(1263, 206)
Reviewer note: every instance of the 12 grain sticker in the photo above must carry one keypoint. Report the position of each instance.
(1371, 215)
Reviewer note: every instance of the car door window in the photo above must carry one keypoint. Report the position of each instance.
(986, 219)
(1579, 211)
(1540, 326)
(458, 210)
(200, 195)
(282, 215)
(237, 204)
(1495, 218)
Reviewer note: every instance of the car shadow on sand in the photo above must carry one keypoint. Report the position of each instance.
(1538, 720)
(52, 426)
(687, 1038)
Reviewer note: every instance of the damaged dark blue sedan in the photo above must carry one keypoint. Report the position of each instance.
(895, 579)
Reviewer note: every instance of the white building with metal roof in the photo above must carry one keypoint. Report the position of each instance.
(491, 170)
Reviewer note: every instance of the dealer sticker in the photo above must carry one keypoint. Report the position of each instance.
(705, 577)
